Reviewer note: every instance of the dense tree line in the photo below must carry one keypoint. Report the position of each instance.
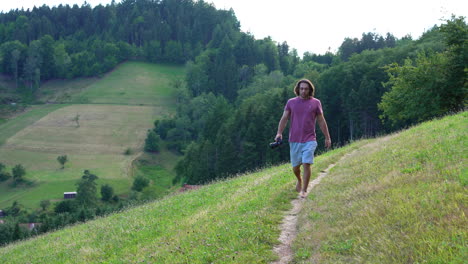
(384, 85)
(72, 41)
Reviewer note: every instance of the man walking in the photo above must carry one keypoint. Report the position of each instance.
(303, 111)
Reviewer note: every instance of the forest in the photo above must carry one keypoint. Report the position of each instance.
(236, 85)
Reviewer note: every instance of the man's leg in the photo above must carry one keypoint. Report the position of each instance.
(297, 172)
(306, 179)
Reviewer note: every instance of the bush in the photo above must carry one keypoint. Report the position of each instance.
(152, 142)
(106, 192)
(18, 172)
(4, 176)
(128, 151)
(67, 206)
(140, 183)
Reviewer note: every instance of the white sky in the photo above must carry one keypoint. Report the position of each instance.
(317, 25)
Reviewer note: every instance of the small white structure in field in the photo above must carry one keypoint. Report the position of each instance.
(69, 195)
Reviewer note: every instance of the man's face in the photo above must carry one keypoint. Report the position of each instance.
(304, 90)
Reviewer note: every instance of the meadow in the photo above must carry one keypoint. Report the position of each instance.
(134, 83)
(9, 129)
(400, 199)
(395, 199)
(94, 136)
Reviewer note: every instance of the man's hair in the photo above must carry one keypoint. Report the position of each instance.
(311, 87)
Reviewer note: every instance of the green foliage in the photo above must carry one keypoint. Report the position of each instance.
(140, 183)
(18, 173)
(4, 175)
(6, 233)
(67, 206)
(433, 84)
(90, 41)
(107, 192)
(62, 160)
(45, 204)
(368, 41)
(233, 140)
(152, 142)
(87, 189)
(416, 90)
(456, 37)
(15, 209)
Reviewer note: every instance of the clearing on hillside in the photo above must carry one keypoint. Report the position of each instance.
(93, 137)
(134, 83)
(122, 106)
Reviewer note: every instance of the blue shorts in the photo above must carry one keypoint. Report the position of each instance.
(302, 152)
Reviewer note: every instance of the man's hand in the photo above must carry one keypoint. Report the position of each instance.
(328, 143)
(278, 137)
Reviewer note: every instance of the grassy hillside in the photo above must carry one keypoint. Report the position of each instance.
(8, 129)
(397, 199)
(400, 199)
(130, 83)
(134, 83)
(93, 136)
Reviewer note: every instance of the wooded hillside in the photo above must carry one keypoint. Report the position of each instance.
(236, 86)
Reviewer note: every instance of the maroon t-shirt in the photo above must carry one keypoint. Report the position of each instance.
(303, 113)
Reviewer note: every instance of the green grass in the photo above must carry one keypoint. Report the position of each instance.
(10, 127)
(134, 83)
(98, 144)
(159, 169)
(231, 221)
(123, 106)
(399, 199)
(369, 209)
(62, 90)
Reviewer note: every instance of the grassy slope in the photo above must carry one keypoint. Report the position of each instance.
(10, 128)
(36, 138)
(401, 199)
(121, 86)
(376, 206)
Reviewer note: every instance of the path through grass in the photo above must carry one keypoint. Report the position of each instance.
(376, 206)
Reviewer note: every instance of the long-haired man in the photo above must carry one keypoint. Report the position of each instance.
(303, 110)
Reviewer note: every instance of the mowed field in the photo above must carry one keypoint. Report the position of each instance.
(94, 136)
(134, 83)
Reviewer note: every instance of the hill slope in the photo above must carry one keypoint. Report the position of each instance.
(237, 220)
(399, 199)
(94, 136)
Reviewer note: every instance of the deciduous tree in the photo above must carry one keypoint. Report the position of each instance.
(87, 189)
(62, 160)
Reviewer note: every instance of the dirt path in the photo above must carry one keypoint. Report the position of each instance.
(288, 227)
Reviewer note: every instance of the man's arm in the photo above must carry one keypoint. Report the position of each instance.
(282, 125)
(323, 126)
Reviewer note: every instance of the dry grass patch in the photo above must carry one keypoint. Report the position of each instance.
(99, 129)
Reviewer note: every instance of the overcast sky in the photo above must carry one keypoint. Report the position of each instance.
(317, 26)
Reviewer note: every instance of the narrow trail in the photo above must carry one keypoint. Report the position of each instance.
(289, 224)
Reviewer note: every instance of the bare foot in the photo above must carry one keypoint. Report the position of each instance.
(302, 194)
(298, 186)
